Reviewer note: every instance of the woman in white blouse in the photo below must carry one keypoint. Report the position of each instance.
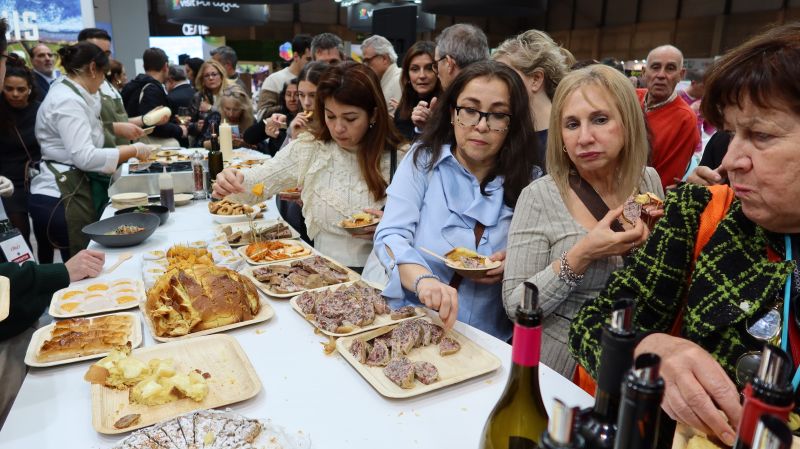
(70, 134)
(343, 168)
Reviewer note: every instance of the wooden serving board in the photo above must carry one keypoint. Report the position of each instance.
(244, 227)
(55, 304)
(684, 433)
(265, 313)
(353, 276)
(5, 297)
(471, 361)
(44, 333)
(308, 252)
(380, 320)
(232, 380)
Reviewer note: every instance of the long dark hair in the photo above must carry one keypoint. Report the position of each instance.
(19, 70)
(517, 156)
(282, 99)
(357, 85)
(410, 97)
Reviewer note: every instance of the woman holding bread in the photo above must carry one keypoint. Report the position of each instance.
(569, 234)
(70, 134)
(343, 168)
(459, 190)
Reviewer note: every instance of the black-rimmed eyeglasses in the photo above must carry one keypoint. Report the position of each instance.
(496, 121)
(436, 64)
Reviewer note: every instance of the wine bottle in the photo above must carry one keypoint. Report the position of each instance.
(519, 417)
(561, 431)
(640, 407)
(770, 392)
(772, 433)
(598, 425)
(215, 162)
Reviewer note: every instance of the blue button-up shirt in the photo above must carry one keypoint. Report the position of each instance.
(438, 210)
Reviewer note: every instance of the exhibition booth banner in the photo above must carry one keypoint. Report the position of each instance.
(37, 20)
(218, 13)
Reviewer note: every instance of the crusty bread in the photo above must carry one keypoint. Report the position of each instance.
(198, 298)
(81, 337)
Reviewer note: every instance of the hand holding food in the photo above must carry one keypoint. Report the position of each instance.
(439, 296)
(228, 182)
(143, 151)
(495, 275)
(602, 241)
(274, 124)
(128, 130)
(87, 263)
(6, 187)
(157, 116)
(363, 224)
(300, 123)
(646, 206)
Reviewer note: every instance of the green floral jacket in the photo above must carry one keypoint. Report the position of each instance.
(733, 280)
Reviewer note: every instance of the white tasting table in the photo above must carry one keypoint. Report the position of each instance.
(302, 388)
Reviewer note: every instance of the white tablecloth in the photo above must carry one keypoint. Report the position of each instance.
(303, 389)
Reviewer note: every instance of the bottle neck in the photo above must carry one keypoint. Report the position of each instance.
(527, 345)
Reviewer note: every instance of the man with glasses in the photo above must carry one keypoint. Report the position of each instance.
(44, 62)
(457, 46)
(268, 101)
(147, 92)
(379, 55)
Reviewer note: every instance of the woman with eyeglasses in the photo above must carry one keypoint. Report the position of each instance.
(343, 168)
(209, 82)
(19, 149)
(235, 108)
(459, 188)
(419, 83)
(260, 133)
(568, 235)
(723, 260)
(71, 137)
(541, 64)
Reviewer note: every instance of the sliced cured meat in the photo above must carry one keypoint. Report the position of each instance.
(437, 332)
(328, 324)
(403, 312)
(448, 346)
(401, 372)
(426, 372)
(378, 354)
(359, 348)
(378, 303)
(306, 301)
(403, 341)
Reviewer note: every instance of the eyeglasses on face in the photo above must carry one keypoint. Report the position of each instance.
(496, 121)
(436, 62)
(367, 61)
(211, 75)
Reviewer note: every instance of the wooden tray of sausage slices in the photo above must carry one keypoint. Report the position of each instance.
(349, 309)
(230, 378)
(286, 279)
(96, 297)
(272, 251)
(428, 357)
(77, 339)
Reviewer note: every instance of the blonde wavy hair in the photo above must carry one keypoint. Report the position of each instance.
(198, 79)
(535, 50)
(236, 93)
(635, 148)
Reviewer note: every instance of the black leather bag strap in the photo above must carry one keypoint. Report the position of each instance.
(591, 199)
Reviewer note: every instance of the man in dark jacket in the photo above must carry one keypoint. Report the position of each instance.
(180, 91)
(146, 92)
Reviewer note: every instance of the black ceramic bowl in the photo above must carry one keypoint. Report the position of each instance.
(160, 211)
(98, 231)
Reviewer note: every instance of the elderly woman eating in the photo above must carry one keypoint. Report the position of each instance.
(716, 265)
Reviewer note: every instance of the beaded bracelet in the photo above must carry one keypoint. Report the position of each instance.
(421, 277)
(566, 274)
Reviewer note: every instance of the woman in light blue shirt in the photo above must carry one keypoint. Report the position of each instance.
(460, 186)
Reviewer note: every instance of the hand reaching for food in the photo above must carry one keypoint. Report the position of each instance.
(228, 182)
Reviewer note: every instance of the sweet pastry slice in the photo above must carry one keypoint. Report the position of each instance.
(186, 423)
(172, 430)
(426, 372)
(400, 371)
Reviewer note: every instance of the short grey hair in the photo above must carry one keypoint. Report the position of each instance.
(176, 73)
(381, 45)
(464, 43)
(226, 55)
(325, 41)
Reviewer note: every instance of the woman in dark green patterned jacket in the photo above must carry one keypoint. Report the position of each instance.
(740, 273)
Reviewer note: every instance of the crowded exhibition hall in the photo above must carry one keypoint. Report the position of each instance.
(361, 224)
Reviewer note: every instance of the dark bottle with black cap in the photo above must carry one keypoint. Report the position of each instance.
(772, 433)
(561, 429)
(215, 162)
(598, 425)
(519, 417)
(768, 393)
(640, 408)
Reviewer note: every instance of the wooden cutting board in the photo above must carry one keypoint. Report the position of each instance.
(471, 361)
(233, 379)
